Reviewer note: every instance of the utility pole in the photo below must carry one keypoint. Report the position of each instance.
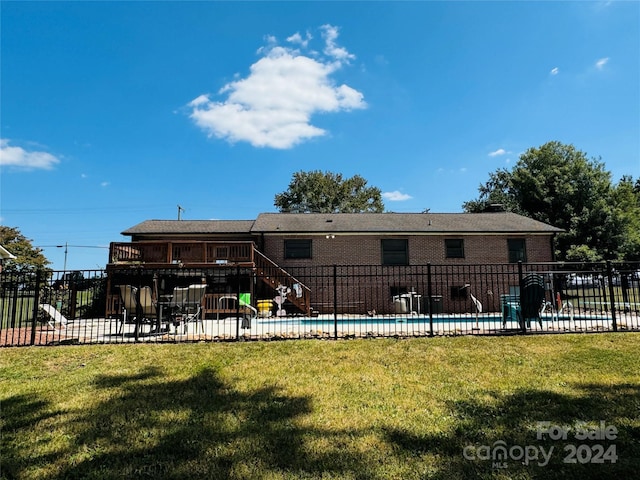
(180, 209)
(66, 251)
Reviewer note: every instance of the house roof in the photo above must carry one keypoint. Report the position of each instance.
(190, 227)
(435, 223)
(499, 222)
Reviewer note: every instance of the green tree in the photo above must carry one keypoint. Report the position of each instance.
(497, 190)
(557, 184)
(626, 199)
(28, 257)
(328, 192)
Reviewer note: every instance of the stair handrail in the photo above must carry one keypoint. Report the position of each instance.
(283, 277)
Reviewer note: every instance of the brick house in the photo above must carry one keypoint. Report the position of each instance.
(299, 249)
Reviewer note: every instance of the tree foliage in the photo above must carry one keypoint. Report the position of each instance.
(28, 257)
(326, 192)
(557, 184)
(626, 199)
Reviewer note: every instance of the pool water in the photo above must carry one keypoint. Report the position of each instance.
(485, 318)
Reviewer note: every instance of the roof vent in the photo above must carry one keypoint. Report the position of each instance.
(495, 207)
(329, 220)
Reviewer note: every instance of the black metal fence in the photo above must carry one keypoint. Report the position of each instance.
(241, 303)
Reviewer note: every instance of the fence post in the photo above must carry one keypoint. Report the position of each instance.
(136, 329)
(238, 302)
(14, 303)
(36, 302)
(523, 324)
(335, 301)
(429, 299)
(614, 323)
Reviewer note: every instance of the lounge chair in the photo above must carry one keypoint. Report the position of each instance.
(54, 315)
(186, 306)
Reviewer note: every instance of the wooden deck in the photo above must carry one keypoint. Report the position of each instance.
(185, 256)
(186, 253)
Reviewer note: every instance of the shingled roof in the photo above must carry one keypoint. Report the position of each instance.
(498, 222)
(190, 227)
(503, 222)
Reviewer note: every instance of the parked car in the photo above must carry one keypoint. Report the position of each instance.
(582, 280)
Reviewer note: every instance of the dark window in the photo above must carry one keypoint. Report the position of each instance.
(454, 247)
(517, 250)
(459, 292)
(299, 248)
(397, 290)
(395, 252)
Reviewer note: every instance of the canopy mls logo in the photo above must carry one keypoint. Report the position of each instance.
(500, 453)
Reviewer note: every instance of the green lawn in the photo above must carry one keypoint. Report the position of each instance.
(361, 409)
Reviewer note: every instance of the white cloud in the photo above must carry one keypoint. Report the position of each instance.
(554, 71)
(104, 184)
(296, 38)
(497, 153)
(21, 158)
(330, 34)
(273, 105)
(601, 63)
(396, 196)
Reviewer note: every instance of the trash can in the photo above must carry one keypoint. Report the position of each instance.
(436, 304)
(400, 304)
(264, 307)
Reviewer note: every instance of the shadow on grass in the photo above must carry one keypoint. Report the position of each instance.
(201, 427)
(512, 420)
(149, 428)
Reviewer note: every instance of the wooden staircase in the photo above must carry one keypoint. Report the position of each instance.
(274, 276)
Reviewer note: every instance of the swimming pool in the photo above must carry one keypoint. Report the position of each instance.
(414, 324)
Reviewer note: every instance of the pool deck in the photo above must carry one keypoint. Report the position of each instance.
(324, 326)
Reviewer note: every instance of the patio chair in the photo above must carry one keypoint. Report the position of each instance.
(532, 298)
(147, 306)
(54, 315)
(510, 306)
(186, 306)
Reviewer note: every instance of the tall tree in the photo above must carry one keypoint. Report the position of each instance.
(28, 257)
(557, 184)
(326, 192)
(626, 199)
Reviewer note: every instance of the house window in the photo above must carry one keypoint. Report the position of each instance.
(298, 248)
(517, 250)
(397, 290)
(454, 247)
(459, 292)
(395, 252)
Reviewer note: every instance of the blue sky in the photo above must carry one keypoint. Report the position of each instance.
(116, 112)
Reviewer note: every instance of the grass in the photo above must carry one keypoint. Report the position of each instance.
(588, 297)
(362, 409)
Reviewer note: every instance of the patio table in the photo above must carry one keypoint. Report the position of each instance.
(164, 301)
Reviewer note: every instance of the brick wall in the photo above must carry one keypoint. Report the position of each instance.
(364, 284)
(366, 249)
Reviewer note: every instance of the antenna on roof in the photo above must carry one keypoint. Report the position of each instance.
(180, 209)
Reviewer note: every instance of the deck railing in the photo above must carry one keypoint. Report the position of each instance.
(182, 252)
